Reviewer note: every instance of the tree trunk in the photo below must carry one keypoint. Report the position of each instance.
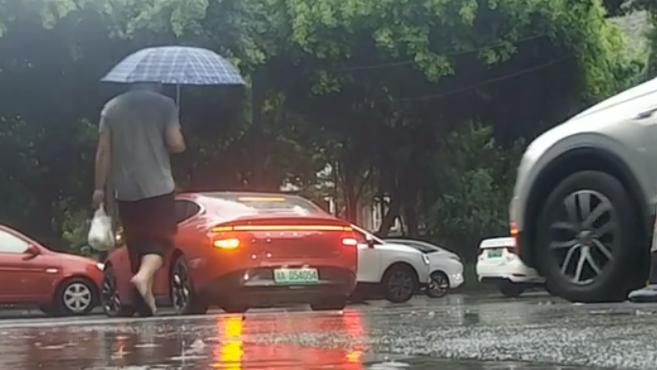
(411, 221)
(259, 156)
(43, 219)
(349, 191)
(336, 188)
(390, 217)
(410, 199)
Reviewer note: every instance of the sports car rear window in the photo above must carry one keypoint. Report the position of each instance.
(265, 204)
(185, 209)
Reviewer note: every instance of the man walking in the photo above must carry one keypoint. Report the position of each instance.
(138, 131)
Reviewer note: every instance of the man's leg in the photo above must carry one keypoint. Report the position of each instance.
(151, 262)
(128, 215)
(143, 281)
(133, 257)
(157, 223)
(649, 293)
(653, 268)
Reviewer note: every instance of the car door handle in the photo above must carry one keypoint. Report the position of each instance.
(647, 114)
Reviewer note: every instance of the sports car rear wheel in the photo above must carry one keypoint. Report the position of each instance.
(109, 296)
(184, 298)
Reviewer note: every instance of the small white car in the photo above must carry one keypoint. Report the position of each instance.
(499, 265)
(398, 270)
(446, 268)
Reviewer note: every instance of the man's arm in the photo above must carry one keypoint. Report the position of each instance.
(174, 139)
(103, 162)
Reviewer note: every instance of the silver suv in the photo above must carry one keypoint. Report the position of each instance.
(584, 202)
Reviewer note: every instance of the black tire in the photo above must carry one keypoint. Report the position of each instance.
(510, 290)
(234, 309)
(332, 304)
(109, 296)
(590, 220)
(184, 299)
(399, 283)
(439, 285)
(74, 297)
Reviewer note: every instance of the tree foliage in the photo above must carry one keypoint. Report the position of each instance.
(382, 92)
(651, 7)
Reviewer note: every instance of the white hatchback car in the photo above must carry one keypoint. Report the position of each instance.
(446, 268)
(398, 270)
(499, 265)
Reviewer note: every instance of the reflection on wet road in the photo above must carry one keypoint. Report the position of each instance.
(453, 333)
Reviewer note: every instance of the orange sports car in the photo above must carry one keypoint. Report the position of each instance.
(245, 250)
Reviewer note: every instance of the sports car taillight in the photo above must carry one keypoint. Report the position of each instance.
(350, 242)
(230, 243)
(229, 237)
(223, 229)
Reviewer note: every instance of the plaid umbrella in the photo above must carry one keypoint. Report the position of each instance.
(176, 65)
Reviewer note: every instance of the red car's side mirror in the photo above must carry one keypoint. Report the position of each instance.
(31, 253)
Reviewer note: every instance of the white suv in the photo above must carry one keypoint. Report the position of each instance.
(398, 270)
(584, 201)
(497, 264)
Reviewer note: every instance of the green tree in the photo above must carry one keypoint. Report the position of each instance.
(389, 77)
(651, 7)
(48, 73)
(372, 88)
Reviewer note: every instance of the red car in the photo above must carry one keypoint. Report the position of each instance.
(60, 284)
(245, 250)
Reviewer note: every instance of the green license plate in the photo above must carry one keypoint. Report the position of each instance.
(495, 253)
(296, 276)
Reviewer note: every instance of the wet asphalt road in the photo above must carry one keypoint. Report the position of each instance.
(457, 332)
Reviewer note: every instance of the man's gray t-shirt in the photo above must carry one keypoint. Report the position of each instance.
(137, 122)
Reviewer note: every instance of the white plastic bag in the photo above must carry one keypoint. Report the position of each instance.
(101, 236)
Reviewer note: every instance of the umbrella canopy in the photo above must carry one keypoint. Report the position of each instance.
(176, 65)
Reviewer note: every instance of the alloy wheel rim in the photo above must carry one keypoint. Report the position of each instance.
(438, 283)
(181, 287)
(400, 284)
(584, 235)
(77, 297)
(110, 295)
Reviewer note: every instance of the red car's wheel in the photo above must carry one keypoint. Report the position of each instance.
(75, 297)
(184, 298)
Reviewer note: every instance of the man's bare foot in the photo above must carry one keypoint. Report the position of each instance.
(144, 290)
(150, 301)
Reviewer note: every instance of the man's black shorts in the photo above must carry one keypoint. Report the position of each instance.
(149, 226)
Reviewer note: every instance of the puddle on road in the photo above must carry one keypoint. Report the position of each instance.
(306, 340)
(333, 341)
(424, 363)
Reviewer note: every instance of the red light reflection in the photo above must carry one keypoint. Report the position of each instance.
(239, 349)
